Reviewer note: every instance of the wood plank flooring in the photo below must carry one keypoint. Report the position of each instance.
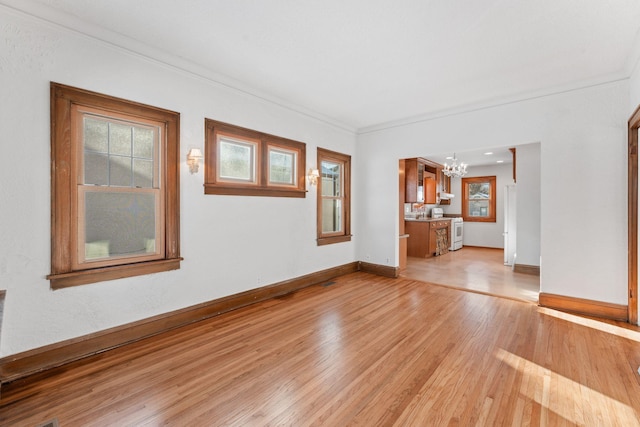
(475, 269)
(366, 351)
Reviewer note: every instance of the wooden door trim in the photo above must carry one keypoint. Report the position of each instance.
(632, 188)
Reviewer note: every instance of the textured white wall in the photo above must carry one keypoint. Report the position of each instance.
(229, 243)
(582, 137)
(528, 204)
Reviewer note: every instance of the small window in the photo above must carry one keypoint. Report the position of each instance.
(245, 162)
(479, 199)
(334, 188)
(236, 160)
(115, 209)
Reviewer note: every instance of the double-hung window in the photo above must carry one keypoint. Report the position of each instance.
(114, 188)
(334, 197)
(479, 199)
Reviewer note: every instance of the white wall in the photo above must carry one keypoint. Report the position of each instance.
(582, 137)
(528, 233)
(485, 234)
(229, 243)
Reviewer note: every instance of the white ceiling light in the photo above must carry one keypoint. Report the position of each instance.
(454, 170)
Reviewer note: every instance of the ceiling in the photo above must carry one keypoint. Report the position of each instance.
(361, 64)
(498, 155)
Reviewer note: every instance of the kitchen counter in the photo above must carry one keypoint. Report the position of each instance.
(426, 219)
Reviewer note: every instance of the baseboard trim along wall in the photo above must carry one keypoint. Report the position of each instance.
(380, 270)
(527, 269)
(583, 306)
(51, 356)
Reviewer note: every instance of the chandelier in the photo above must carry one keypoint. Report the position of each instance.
(455, 170)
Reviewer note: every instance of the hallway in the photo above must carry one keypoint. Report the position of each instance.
(477, 270)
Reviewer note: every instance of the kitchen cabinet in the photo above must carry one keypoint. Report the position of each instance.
(430, 188)
(444, 185)
(424, 181)
(436, 227)
(423, 234)
(413, 181)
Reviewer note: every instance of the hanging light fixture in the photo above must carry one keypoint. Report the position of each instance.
(455, 170)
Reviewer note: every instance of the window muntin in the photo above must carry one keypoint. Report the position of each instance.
(333, 197)
(245, 162)
(479, 199)
(115, 190)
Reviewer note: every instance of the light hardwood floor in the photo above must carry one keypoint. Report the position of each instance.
(367, 351)
(475, 269)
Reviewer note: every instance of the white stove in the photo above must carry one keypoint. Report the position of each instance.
(457, 230)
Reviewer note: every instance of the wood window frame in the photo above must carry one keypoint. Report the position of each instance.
(491, 180)
(65, 164)
(345, 234)
(261, 185)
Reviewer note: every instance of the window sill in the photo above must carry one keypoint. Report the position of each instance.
(335, 239)
(83, 277)
(253, 191)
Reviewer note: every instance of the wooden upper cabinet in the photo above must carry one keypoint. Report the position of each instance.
(413, 181)
(444, 185)
(424, 181)
(430, 188)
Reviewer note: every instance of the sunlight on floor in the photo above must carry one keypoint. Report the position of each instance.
(593, 324)
(556, 393)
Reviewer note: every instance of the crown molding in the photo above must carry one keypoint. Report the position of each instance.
(60, 20)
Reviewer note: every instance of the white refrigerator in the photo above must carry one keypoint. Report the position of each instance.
(509, 224)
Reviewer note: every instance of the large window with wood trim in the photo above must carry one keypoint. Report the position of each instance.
(479, 199)
(334, 197)
(114, 188)
(245, 162)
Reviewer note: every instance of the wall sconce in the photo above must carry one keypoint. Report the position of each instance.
(193, 159)
(313, 176)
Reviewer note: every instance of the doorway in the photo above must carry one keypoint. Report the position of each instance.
(486, 263)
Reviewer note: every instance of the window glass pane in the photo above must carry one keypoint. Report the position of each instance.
(120, 172)
(282, 165)
(236, 160)
(143, 173)
(119, 224)
(479, 208)
(96, 168)
(479, 190)
(331, 179)
(108, 156)
(143, 142)
(331, 215)
(96, 135)
(119, 139)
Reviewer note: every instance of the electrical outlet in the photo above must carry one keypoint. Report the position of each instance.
(367, 257)
(387, 260)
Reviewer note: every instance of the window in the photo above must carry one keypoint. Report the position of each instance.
(246, 162)
(334, 189)
(114, 188)
(479, 199)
